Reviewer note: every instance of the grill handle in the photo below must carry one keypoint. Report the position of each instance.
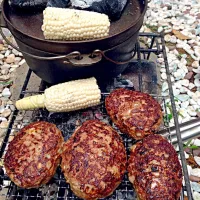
(75, 58)
(189, 130)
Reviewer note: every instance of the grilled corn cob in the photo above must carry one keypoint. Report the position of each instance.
(71, 24)
(65, 97)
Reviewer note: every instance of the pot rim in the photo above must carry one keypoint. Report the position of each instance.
(73, 42)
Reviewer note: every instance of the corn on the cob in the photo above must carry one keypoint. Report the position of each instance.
(71, 24)
(65, 97)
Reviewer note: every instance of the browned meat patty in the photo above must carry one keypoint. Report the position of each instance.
(154, 169)
(134, 113)
(94, 160)
(34, 154)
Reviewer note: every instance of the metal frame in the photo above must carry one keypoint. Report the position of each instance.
(157, 40)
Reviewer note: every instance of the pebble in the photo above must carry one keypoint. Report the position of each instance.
(197, 160)
(197, 82)
(189, 75)
(183, 97)
(191, 86)
(4, 125)
(5, 66)
(164, 76)
(185, 82)
(22, 62)
(197, 143)
(4, 77)
(6, 113)
(10, 59)
(196, 195)
(195, 172)
(196, 70)
(195, 186)
(164, 86)
(6, 92)
(195, 64)
(14, 66)
(4, 71)
(1, 88)
(14, 51)
(185, 104)
(2, 133)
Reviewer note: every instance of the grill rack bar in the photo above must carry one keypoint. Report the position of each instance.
(155, 47)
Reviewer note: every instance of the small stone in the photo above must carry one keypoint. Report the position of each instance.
(4, 77)
(10, 59)
(4, 125)
(197, 143)
(1, 56)
(189, 75)
(191, 86)
(167, 38)
(3, 119)
(2, 132)
(12, 70)
(185, 82)
(196, 195)
(15, 52)
(183, 90)
(195, 64)
(160, 29)
(173, 39)
(22, 62)
(10, 102)
(191, 111)
(4, 71)
(190, 69)
(197, 76)
(192, 102)
(14, 66)
(1, 47)
(164, 86)
(164, 76)
(6, 92)
(7, 53)
(19, 118)
(196, 70)
(5, 66)
(195, 186)
(6, 113)
(185, 104)
(12, 107)
(197, 82)
(183, 97)
(1, 88)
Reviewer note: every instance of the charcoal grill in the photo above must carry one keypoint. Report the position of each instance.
(141, 74)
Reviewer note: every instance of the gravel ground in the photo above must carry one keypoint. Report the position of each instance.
(180, 21)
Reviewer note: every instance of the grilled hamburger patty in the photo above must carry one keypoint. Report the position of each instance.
(34, 154)
(154, 169)
(134, 113)
(94, 160)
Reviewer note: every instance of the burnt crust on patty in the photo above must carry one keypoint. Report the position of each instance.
(34, 154)
(94, 160)
(154, 169)
(134, 113)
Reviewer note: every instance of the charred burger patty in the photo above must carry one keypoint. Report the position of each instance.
(136, 114)
(34, 154)
(154, 169)
(94, 160)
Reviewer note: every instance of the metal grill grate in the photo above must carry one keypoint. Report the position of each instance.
(140, 75)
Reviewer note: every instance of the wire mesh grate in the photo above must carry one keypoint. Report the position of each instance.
(140, 75)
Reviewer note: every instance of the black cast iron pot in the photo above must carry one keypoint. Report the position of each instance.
(60, 61)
